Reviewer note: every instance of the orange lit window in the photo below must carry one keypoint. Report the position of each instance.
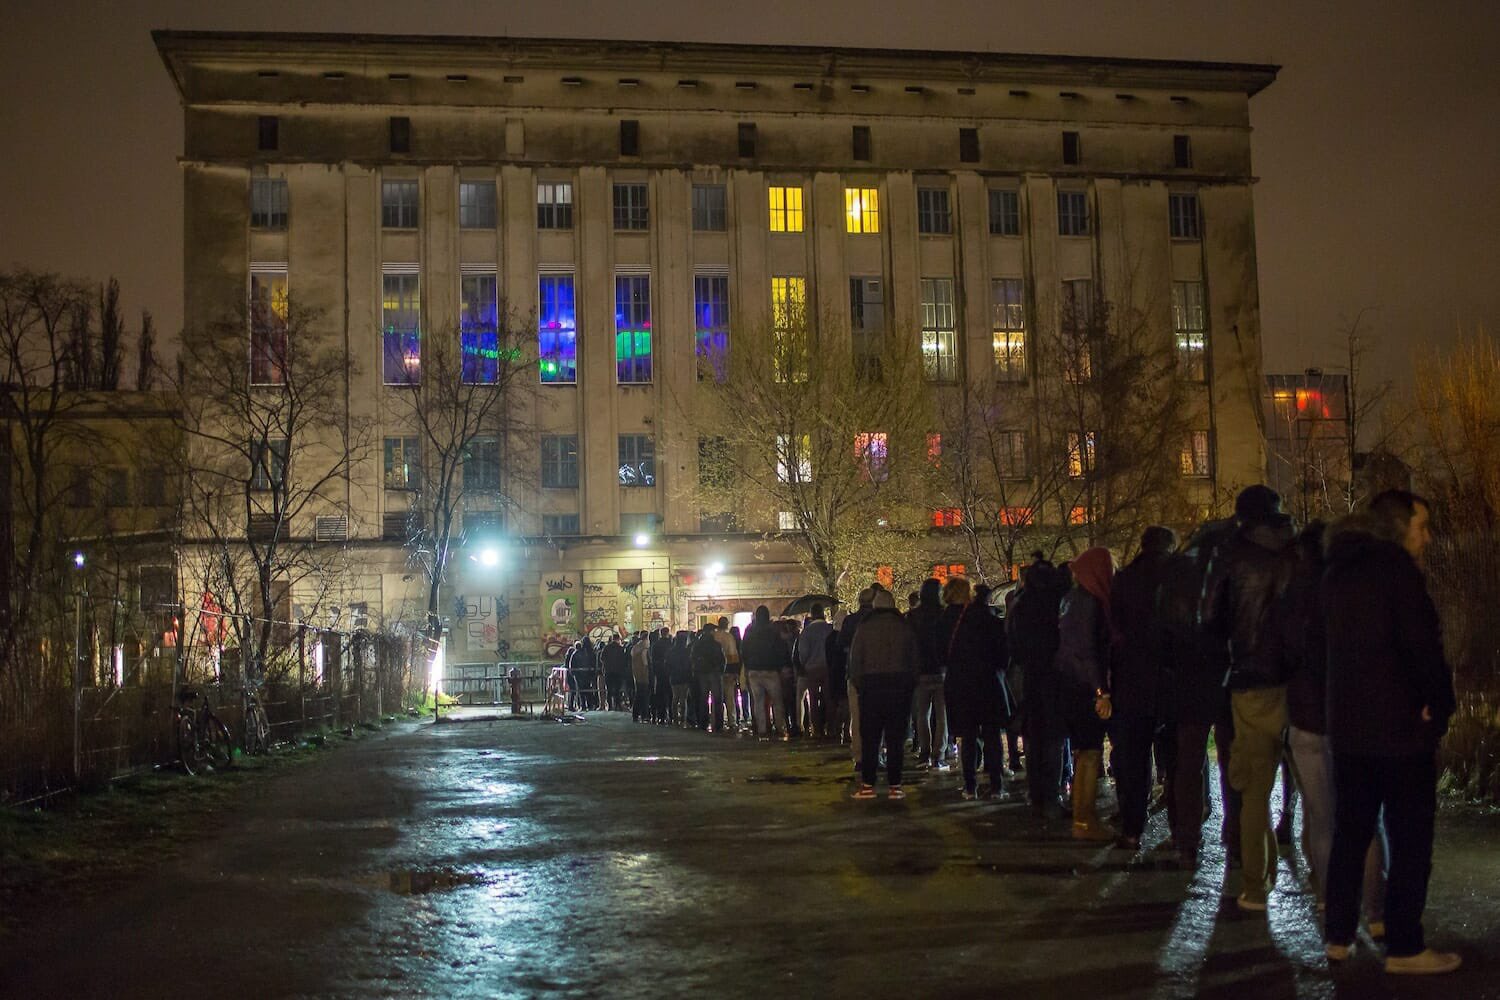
(1310, 403)
(885, 576)
(935, 448)
(942, 571)
(947, 517)
(861, 210)
(1015, 517)
(1078, 515)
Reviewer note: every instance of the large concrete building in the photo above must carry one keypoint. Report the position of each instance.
(639, 197)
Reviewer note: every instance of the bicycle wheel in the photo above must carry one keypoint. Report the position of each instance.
(257, 730)
(188, 751)
(217, 745)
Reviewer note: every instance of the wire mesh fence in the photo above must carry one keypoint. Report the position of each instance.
(1463, 572)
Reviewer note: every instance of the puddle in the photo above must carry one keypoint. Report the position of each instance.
(417, 882)
(777, 779)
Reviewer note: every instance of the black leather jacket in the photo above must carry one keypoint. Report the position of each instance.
(1238, 595)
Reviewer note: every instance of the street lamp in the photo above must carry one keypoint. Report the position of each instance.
(489, 557)
(642, 540)
(715, 568)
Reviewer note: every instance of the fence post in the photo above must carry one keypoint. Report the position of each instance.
(302, 675)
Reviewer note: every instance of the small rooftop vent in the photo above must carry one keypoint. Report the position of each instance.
(572, 81)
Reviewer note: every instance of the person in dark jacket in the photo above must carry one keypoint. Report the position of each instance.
(1031, 630)
(680, 669)
(1086, 640)
(883, 665)
(616, 664)
(765, 655)
(847, 631)
(928, 705)
(586, 673)
(661, 676)
(1242, 586)
(1135, 680)
(1390, 695)
(978, 704)
(708, 667)
(1197, 702)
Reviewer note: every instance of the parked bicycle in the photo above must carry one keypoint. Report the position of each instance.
(257, 726)
(203, 741)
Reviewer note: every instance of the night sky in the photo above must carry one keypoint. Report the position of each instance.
(1378, 145)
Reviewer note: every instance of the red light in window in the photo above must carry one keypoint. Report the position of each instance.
(947, 517)
(885, 576)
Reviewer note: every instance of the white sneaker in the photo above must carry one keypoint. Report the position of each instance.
(1426, 963)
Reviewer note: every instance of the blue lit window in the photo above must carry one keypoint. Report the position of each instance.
(711, 316)
(632, 328)
(401, 325)
(479, 329)
(558, 332)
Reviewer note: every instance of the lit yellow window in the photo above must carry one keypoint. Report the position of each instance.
(789, 328)
(786, 210)
(862, 210)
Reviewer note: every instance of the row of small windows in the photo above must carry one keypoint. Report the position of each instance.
(557, 326)
(268, 140)
(400, 208)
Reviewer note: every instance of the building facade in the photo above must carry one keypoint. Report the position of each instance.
(638, 201)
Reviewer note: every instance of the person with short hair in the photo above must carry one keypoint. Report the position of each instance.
(975, 655)
(729, 682)
(847, 631)
(765, 655)
(883, 665)
(812, 672)
(1390, 696)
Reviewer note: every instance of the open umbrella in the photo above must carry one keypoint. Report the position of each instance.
(804, 604)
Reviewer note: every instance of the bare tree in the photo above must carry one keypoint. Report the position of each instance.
(146, 364)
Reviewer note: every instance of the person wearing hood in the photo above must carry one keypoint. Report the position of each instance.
(928, 705)
(847, 630)
(1031, 631)
(1086, 640)
(708, 667)
(680, 670)
(765, 655)
(883, 663)
(811, 655)
(979, 704)
(1241, 589)
(1135, 681)
(615, 662)
(1390, 695)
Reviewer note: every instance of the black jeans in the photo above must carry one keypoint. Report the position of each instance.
(884, 711)
(1190, 789)
(1130, 736)
(969, 741)
(640, 700)
(709, 686)
(614, 686)
(1045, 732)
(1407, 788)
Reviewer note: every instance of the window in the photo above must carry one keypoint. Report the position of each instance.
(268, 463)
(557, 525)
(401, 325)
(1190, 325)
(968, 145)
(1284, 402)
(632, 328)
(632, 207)
(1183, 212)
(711, 319)
(1072, 154)
(786, 209)
(560, 461)
(639, 524)
(557, 334)
(939, 334)
(1079, 515)
(268, 327)
(116, 486)
(1080, 454)
(267, 133)
(637, 460)
(151, 483)
(934, 448)
(747, 140)
(476, 205)
(1015, 517)
(862, 210)
(400, 134)
(1008, 327)
(403, 465)
(554, 205)
(787, 521)
(871, 449)
(861, 142)
(1072, 213)
(947, 517)
(788, 328)
(933, 215)
(1077, 321)
(1182, 152)
(1195, 455)
(942, 571)
(1005, 213)
(487, 521)
(1012, 456)
(479, 329)
(867, 326)
(482, 464)
(630, 137)
(794, 458)
(708, 208)
(399, 202)
(268, 201)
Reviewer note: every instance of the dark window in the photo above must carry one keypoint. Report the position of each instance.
(559, 524)
(151, 482)
(708, 208)
(933, 214)
(637, 460)
(399, 201)
(630, 137)
(1071, 152)
(487, 521)
(632, 209)
(268, 463)
(968, 145)
(1182, 152)
(1072, 213)
(715, 463)
(476, 205)
(403, 469)
(867, 325)
(80, 489)
(639, 524)
(482, 464)
(268, 200)
(400, 134)
(554, 205)
(1005, 213)
(560, 461)
(747, 140)
(1183, 211)
(267, 133)
(862, 143)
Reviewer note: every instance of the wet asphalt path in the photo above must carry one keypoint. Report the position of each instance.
(530, 859)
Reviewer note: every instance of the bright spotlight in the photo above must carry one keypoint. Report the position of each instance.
(642, 540)
(489, 557)
(79, 559)
(715, 568)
